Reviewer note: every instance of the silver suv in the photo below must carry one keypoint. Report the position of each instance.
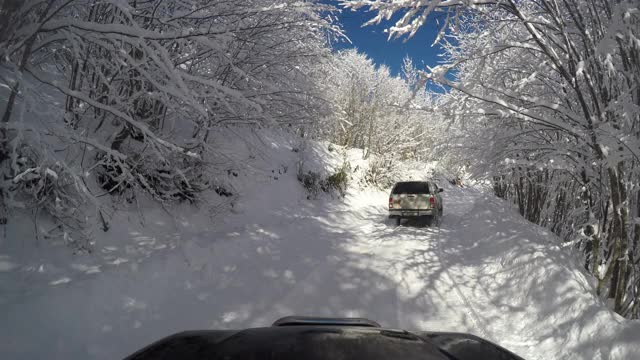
(419, 200)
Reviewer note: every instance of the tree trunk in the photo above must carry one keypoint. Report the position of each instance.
(618, 238)
(15, 88)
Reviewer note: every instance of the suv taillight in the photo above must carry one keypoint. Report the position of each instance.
(432, 201)
(390, 202)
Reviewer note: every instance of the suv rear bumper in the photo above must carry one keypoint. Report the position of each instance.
(406, 213)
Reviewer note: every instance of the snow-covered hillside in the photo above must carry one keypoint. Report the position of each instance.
(268, 251)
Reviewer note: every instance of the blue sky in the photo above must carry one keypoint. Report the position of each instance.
(373, 41)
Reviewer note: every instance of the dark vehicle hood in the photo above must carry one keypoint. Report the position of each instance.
(321, 343)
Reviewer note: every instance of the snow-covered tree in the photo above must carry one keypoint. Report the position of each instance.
(384, 115)
(374, 110)
(145, 83)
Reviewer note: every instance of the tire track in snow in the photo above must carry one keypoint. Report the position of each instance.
(469, 309)
(478, 323)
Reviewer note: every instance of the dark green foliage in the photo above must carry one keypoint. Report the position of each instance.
(334, 183)
(338, 181)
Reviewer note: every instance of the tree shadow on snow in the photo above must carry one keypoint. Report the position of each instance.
(483, 271)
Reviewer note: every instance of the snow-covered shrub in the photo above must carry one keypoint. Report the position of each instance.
(51, 192)
(382, 172)
(314, 183)
(175, 179)
(178, 180)
(338, 181)
(310, 180)
(113, 175)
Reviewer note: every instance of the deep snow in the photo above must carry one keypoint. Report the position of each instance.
(485, 270)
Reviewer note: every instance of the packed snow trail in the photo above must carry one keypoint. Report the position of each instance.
(485, 270)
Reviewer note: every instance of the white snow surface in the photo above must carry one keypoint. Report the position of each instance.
(485, 270)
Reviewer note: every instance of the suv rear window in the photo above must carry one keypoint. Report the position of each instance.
(411, 187)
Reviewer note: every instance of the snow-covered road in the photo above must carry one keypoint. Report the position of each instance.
(485, 270)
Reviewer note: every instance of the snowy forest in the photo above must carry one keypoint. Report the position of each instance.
(145, 83)
(549, 110)
(105, 103)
